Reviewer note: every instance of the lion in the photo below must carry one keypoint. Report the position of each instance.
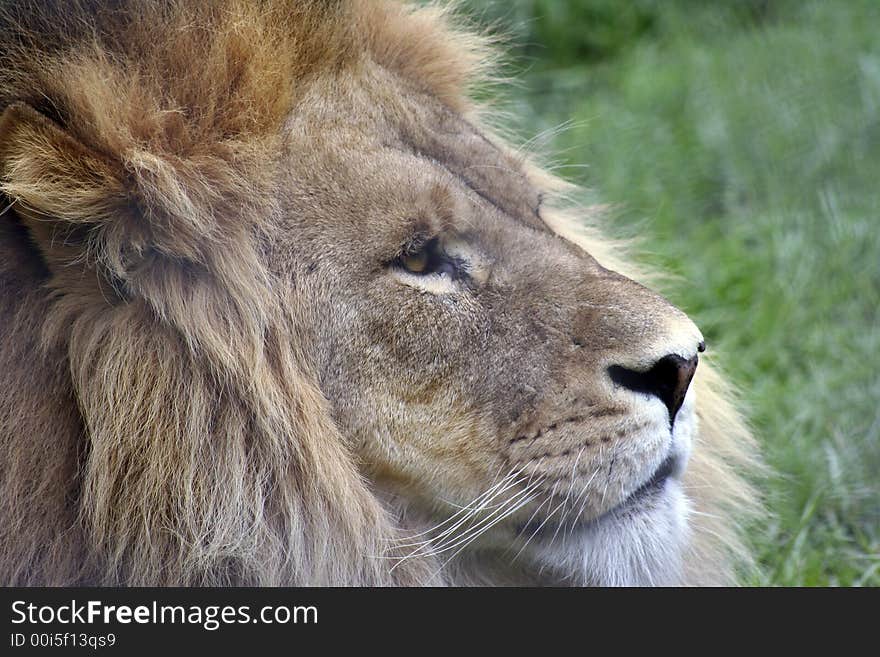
(280, 307)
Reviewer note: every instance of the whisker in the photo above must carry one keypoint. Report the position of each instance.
(510, 512)
(529, 522)
(476, 528)
(522, 501)
(570, 486)
(540, 527)
(492, 519)
(449, 533)
(463, 509)
(583, 494)
(438, 540)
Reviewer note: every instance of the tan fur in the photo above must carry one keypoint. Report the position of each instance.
(725, 456)
(183, 408)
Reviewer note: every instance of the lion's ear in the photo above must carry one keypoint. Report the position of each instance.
(59, 188)
(114, 217)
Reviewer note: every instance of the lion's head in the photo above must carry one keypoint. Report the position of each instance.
(278, 307)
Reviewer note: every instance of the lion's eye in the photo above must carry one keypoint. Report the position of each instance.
(415, 263)
(429, 258)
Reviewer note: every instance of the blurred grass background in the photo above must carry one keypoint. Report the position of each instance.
(740, 141)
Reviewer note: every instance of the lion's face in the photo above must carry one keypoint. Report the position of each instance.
(483, 368)
(277, 310)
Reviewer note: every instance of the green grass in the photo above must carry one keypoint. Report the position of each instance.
(741, 141)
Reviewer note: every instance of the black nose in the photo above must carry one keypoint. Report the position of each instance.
(667, 379)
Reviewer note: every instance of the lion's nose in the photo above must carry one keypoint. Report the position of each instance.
(668, 379)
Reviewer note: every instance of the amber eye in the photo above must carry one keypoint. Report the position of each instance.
(429, 258)
(415, 263)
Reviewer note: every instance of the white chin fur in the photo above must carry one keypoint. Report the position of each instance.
(629, 547)
(638, 546)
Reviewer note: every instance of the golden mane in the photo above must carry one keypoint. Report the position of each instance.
(159, 429)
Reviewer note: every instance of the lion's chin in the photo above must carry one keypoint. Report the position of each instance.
(639, 544)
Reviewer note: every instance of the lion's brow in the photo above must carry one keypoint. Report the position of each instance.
(406, 146)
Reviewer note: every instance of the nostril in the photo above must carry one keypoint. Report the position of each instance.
(668, 379)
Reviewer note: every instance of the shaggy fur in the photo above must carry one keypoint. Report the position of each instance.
(164, 420)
